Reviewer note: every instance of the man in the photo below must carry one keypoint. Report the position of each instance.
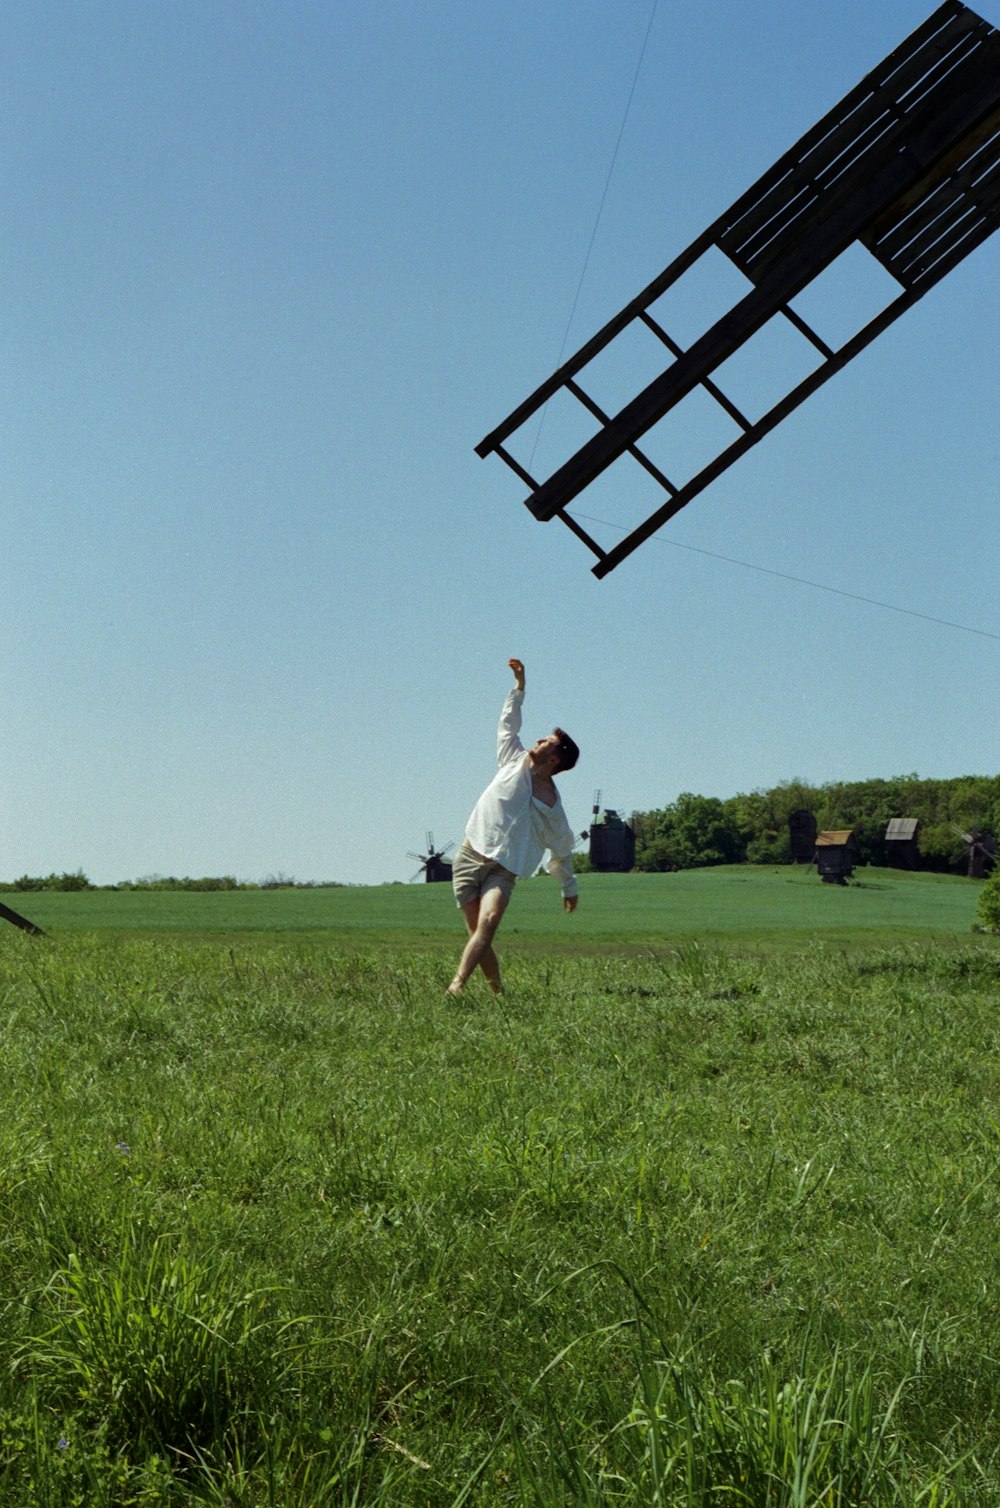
(518, 817)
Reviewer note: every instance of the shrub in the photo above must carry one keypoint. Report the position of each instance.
(770, 848)
(76, 881)
(989, 902)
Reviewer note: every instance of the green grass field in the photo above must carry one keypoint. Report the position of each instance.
(693, 1216)
(739, 906)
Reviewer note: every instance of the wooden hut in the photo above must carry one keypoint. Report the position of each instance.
(901, 851)
(836, 855)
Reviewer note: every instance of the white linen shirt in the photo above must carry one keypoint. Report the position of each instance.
(510, 825)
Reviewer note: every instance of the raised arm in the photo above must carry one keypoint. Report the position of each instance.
(509, 746)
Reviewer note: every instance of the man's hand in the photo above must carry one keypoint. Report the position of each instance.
(518, 669)
(569, 902)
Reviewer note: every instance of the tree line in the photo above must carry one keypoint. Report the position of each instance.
(695, 831)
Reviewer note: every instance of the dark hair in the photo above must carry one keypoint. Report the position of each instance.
(568, 751)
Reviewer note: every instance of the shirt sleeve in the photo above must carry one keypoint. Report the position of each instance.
(509, 746)
(560, 843)
(561, 869)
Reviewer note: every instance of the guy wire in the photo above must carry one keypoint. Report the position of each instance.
(818, 586)
(597, 220)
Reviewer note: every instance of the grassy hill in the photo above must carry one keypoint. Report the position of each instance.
(741, 906)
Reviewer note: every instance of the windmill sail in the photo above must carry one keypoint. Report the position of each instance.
(907, 166)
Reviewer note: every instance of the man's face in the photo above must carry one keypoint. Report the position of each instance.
(545, 748)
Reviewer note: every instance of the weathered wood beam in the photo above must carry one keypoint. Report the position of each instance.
(20, 921)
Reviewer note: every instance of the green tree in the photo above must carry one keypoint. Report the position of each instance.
(770, 846)
(795, 795)
(754, 825)
(989, 902)
(751, 814)
(75, 881)
(692, 831)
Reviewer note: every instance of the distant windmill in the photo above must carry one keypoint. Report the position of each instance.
(980, 850)
(802, 836)
(612, 841)
(433, 866)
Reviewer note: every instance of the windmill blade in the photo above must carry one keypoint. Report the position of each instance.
(430, 842)
(445, 849)
(420, 871)
(421, 858)
(961, 833)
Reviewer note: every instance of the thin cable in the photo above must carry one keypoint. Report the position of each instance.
(799, 580)
(597, 221)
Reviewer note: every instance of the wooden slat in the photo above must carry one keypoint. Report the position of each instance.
(785, 223)
(966, 165)
(932, 131)
(933, 244)
(933, 234)
(796, 319)
(978, 142)
(856, 152)
(947, 15)
(946, 202)
(943, 257)
(858, 114)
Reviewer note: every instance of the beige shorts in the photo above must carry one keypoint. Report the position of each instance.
(472, 876)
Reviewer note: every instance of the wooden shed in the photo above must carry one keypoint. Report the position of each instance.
(836, 855)
(901, 850)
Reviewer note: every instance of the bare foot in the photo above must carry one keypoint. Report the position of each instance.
(456, 987)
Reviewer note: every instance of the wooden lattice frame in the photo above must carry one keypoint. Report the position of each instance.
(908, 165)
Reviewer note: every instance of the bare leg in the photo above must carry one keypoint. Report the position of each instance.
(482, 918)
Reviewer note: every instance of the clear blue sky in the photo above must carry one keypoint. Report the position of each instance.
(271, 268)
